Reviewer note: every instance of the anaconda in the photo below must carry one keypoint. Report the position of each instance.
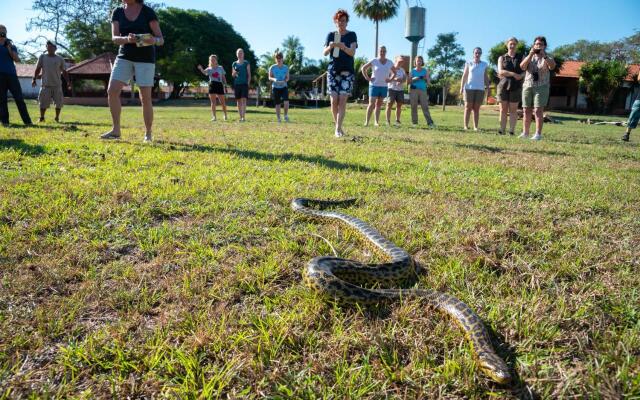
(355, 282)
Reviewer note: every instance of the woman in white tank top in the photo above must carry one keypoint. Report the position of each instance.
(382, 69)
(475, 82)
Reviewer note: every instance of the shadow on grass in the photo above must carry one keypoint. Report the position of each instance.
(518, 386)
(22, 147)
(480, 147)
(256, 155)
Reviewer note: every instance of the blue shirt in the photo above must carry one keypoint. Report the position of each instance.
(241, 69)
(6, 62)
(420, 84)
(280, 73)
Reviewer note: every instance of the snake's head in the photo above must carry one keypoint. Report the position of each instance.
(495, 368)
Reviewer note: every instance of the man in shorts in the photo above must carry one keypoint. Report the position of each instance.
(50, 66)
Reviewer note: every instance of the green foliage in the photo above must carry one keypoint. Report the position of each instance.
(89, 40)
(600, 80)
(361, 86)
(447, 59)
(376, 11)
(190, 37)
(501, 48)
(626, 50)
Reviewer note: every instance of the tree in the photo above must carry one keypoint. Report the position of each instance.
(376, 10)
(89, 40)
(53, 17)
(447, 59)
(192, 36)
(600, 80)
(293, 51)
(626, 50)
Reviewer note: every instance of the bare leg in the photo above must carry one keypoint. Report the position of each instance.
(58, 114)
(342, 109)
(398, 111)
(42, 113)
(513, 117)
(114, 90)
(212, 97)
(147, 109)
(223, 103)
(334, 109)
(539, 119)
(504, 109)
(467, 114)
(286, 109)
(388, 111)
(379, 101)
(526, 120)
(278, 111)
(370, 107)
(476, 115)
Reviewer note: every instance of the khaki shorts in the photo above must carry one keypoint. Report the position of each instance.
(49, 93)
(535, 96)
(473, 96)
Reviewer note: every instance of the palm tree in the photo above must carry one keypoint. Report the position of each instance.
(293, 53)
(376, 10)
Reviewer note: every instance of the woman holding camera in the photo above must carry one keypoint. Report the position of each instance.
(135, 27)
(535, 94)
(9, 80)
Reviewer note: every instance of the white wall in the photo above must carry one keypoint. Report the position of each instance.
(27, 91)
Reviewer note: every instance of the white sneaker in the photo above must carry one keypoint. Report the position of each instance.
(148, 138)
(376, 124)
(537, 136)
(523, 136)
(110, 135)
(213, 119)
(225, 117)
(279, 120)
(339, 134)
(286, 118)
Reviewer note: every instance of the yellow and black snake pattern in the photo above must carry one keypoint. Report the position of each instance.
(355, 282)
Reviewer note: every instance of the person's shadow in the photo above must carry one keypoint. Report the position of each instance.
(20, 146)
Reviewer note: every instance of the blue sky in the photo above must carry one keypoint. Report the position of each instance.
(479, 23)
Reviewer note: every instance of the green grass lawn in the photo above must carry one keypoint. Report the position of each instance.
(174, 269)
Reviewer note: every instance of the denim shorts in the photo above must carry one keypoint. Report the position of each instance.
(377, 91)
(125, 70)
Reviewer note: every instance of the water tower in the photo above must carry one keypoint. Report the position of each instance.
(415, 23)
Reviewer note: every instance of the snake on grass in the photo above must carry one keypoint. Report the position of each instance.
(353, 282)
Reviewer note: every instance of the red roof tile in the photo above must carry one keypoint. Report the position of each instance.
(100, 65)
(571, 69)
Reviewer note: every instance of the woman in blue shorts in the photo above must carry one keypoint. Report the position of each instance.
(136, 29)
(340, 46)
(382, 69)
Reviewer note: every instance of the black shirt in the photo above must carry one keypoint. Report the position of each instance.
(343, 62)
(130, 51)
(511, 64)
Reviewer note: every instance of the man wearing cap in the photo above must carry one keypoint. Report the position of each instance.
(50, 66)
(9, 80)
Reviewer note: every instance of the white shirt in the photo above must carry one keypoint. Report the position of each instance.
(475, 78)
(400, 74)
(380, 72)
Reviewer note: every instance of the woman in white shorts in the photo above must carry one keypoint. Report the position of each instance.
(136, 29)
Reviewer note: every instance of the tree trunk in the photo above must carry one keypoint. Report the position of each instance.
(175, 93)
(445, 90)
(375, 51)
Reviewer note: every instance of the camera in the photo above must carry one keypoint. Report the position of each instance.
(3, 34)
(536, 51)
(536, 76)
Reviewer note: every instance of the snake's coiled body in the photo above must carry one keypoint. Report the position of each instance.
(352, 281)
